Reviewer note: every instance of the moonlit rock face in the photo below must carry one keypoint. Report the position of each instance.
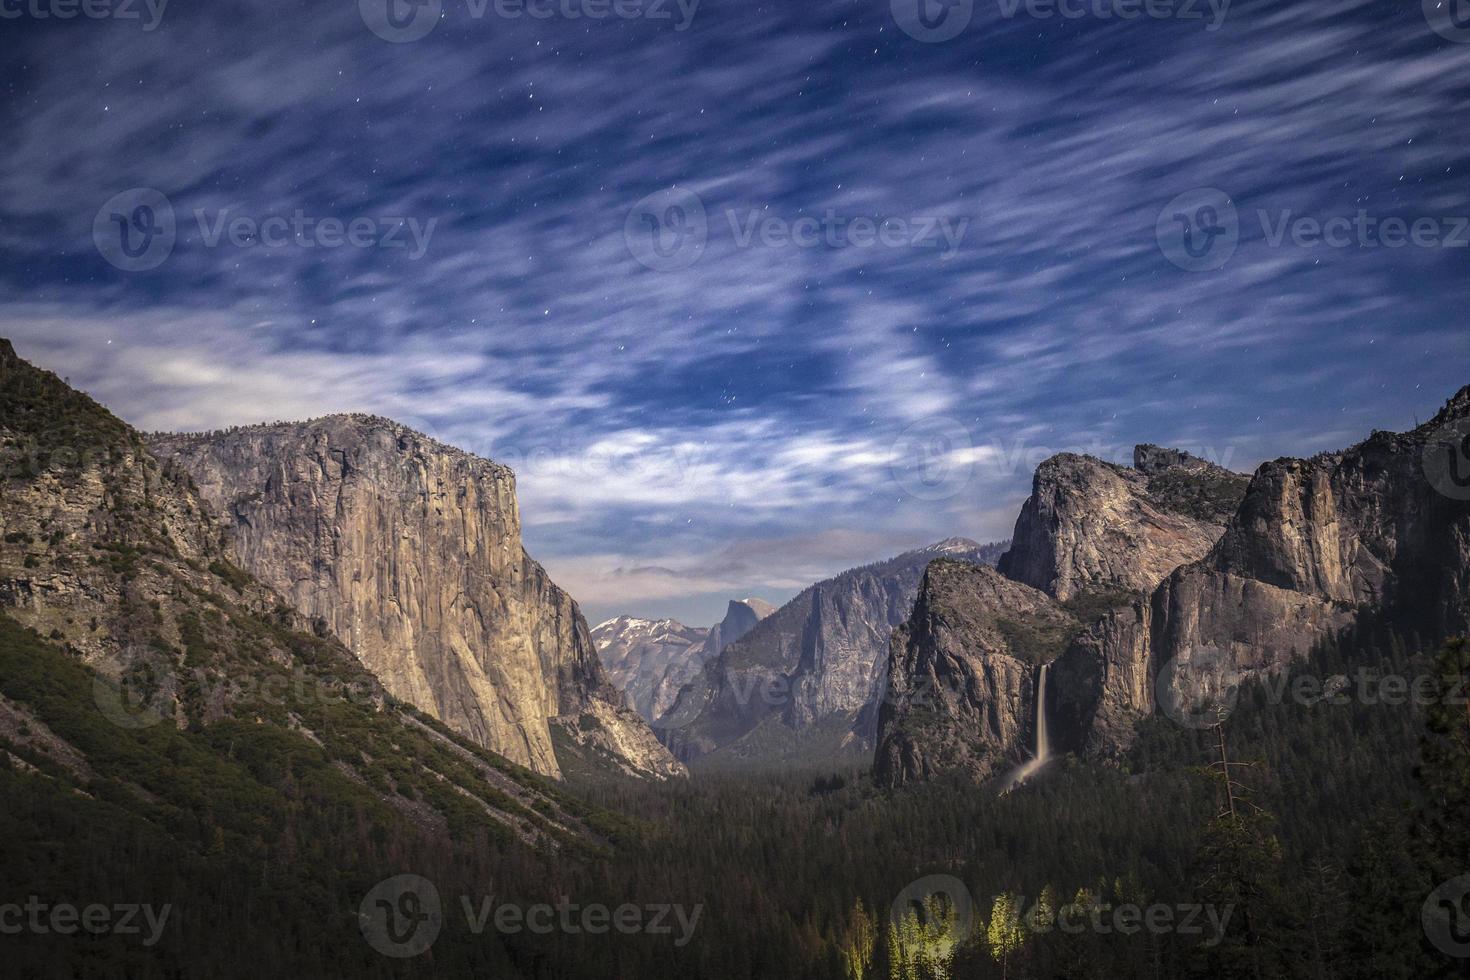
(963, 680)
(1090, 524)
(1120, 572)
(410, 552)
(649, 660)
(1313, 542)
(804, 684)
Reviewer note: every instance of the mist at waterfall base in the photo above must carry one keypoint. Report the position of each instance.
(1042, 752)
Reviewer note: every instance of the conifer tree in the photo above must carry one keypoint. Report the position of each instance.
(1004, 934)
(857, 951)
(1442, 830)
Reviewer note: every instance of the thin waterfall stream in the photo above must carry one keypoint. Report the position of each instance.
(1042, 751)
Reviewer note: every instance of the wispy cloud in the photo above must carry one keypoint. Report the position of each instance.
(662, 421)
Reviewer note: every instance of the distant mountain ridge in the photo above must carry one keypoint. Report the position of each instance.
(802, 685)
(651, 660)
(639, 655)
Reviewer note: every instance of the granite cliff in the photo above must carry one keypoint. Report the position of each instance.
(120, 599)
(1092, 526)
(409, 551)
(962, 675)
(1174, 568)
(1091, 539)
(741, 616)
(649, 660)
(803, 685)
(1381, 526)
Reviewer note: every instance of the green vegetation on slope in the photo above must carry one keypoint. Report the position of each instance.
(1206, 495)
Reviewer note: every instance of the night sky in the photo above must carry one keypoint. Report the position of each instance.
(579, 248)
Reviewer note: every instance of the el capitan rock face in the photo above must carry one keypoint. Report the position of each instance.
(114, 557)
(803, 685)
(410, 552)
(1090, 525)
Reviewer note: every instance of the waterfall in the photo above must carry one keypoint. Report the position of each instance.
(1043, 738)
(1042, 750)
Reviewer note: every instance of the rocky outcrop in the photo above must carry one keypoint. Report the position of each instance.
(1102, 685)
(741, 616)
(962, 675)
(95, 531)
(113, 559)
(410, 552)
(803, 685)
(1095, 538)
(1313, 543)
(1091, 526)
(650, 660)
(1158, 578)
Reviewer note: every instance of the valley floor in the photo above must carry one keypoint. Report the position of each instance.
(738, 876)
